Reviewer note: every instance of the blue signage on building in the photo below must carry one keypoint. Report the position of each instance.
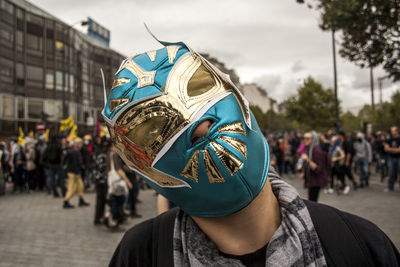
(98, 32)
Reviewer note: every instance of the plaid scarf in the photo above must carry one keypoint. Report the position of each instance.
(295, 242)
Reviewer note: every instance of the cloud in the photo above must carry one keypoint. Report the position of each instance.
(298, 66)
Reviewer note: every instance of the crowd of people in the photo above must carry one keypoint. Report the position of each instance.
(63, 167)
(325, 160)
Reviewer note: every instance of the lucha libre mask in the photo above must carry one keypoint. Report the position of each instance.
(156, 101)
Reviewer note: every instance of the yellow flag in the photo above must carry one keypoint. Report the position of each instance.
(31, 134)
(46, 134)
(74, 132)
(67, 124)
(21, 140)
(104, 131)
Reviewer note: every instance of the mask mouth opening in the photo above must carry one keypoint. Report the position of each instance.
(201, 130)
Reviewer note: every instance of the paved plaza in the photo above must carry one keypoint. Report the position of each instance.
(36, 231)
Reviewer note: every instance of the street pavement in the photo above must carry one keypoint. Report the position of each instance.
(36, 231)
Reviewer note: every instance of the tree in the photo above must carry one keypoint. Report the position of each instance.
(350, 122)
(370, 31)
(271, 121)
(313, 108)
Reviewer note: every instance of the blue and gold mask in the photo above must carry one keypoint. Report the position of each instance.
(157, 100)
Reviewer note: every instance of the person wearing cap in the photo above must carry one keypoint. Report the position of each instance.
(74, 169)
(182, 124)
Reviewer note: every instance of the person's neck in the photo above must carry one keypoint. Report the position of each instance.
(247, 230)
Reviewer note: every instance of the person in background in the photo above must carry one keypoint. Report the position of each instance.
(52, 156)
(100, 175)
(30, 155)
(87, 152)
(74, 170)
(40, 149)
(315, 166)
(337, 161)
(18, 168)
(349, 152)
(382, 157)
(392, 148)
(117, 197)
(362, 157)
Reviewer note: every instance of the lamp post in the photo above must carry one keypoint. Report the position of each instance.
(337, 122)
(380, 79)
(64, 107)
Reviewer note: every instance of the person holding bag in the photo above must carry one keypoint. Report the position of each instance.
(118, 184)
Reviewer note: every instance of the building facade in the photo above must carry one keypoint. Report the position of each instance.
(258, 97)
(48, 68)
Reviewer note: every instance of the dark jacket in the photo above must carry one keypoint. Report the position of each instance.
(74, 161)
(354, 241)
(319, 176)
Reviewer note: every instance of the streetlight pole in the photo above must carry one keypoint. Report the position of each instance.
(337, 123)
(64, 107)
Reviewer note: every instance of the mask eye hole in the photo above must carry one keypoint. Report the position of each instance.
(146, 133)
(201, 82)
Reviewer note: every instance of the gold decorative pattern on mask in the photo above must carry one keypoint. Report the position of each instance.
(214, 176)
(236, 144)
(172, 50)
(116, 103)
(232, 163)
(152, 55)
(236, 128)
(144, 77)
(120, 81)
(149, 125)
(135, 158)
(191, 169)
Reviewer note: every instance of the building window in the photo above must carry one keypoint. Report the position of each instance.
(50, 80)
(6, 70)
(20, 40)
(50, 48)
(59, 80)
(85, 89)
(8, 107)
(34, 75)
(7, 7)
(72, 83)
(54, 109)
(35, 44)
(21, 108)
(6, 35)
(20, 74)
(35, 108)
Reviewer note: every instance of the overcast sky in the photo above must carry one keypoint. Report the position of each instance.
(276, 43)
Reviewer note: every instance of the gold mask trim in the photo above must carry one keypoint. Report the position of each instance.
(116, 103)
(120, 81)
(236, 144)
(191, 169)
(137, 159)
(144, 77)
(236, 127)
(214, 176)
(152, 55)
(172, 50)
(232, 163)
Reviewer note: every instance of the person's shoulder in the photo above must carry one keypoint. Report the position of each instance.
(362, 232)
(135, 248)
